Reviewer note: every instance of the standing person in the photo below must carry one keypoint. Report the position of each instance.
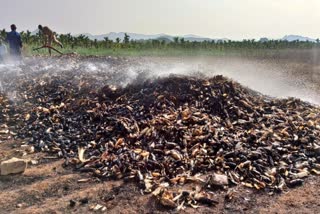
(3, 51)
(15, 43)
(48, 35)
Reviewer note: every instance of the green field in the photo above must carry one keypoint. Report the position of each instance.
(135, 52)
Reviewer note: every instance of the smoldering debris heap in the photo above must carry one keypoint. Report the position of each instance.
(172, 131)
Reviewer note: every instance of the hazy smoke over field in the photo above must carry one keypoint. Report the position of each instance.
(268, 77)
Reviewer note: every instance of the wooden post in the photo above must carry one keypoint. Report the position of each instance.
(49, 47)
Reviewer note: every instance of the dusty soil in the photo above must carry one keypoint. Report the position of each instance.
(48, 187)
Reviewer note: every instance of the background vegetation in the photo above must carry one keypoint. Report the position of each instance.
(81, 44)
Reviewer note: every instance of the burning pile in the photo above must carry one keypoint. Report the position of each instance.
(173, 131)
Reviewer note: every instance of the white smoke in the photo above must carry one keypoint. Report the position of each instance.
(268, 77)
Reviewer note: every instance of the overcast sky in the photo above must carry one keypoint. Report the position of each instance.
(234, 19)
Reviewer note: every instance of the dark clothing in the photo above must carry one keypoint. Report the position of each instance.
(15, 43)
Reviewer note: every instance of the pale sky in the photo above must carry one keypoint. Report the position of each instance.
(233, 19)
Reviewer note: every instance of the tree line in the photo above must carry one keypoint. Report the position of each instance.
(83, 41)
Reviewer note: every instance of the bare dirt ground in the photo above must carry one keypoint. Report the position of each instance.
(47, 187)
